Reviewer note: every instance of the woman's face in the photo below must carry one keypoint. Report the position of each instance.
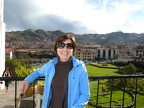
(65, 53)
(7, 71)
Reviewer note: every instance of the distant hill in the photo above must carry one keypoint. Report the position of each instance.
(40, 35)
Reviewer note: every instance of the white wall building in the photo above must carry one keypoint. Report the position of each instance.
(106, 53)
(139, 53)
(2, 42)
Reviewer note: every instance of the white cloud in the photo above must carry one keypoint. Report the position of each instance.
(78, 16)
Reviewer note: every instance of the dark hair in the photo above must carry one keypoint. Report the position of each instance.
(63, 38)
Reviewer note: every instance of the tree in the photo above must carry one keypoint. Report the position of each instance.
(14, 64)
(23, 71)
(130, 69)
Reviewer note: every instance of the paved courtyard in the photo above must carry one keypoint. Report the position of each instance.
(7, 99)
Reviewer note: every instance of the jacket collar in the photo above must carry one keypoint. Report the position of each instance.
(76, 62)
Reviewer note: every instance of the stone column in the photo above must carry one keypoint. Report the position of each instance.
(2, 42)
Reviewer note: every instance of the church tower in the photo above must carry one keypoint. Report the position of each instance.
(2, 41)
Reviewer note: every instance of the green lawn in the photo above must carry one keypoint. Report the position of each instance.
(104, 99)
(117, 94)
(95, 71)
(140, 101)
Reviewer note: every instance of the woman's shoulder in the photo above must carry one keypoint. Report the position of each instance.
(50, 63)
(78, 63)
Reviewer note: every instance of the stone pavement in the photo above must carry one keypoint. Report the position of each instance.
(7, 99)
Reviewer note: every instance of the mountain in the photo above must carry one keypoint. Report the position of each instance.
(41, 36)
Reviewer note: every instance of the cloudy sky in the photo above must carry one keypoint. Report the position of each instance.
(77, 16)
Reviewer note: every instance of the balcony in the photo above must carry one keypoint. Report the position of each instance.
(9, 99)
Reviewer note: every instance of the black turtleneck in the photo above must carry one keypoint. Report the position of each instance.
(61, 73)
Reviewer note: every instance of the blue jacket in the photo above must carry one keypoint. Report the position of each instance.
(78, 84)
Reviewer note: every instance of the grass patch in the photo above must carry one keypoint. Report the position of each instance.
(95, 71)
(140, 101)
(117, 93)
(104, 99)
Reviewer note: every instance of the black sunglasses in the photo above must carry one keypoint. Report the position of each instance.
(61, 45)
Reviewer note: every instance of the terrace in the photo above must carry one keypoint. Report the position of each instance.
(128, 97)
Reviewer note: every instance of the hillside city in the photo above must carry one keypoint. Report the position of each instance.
(39, 49)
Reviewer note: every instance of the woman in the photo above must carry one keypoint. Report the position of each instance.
(6, 73)
(66, 78)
